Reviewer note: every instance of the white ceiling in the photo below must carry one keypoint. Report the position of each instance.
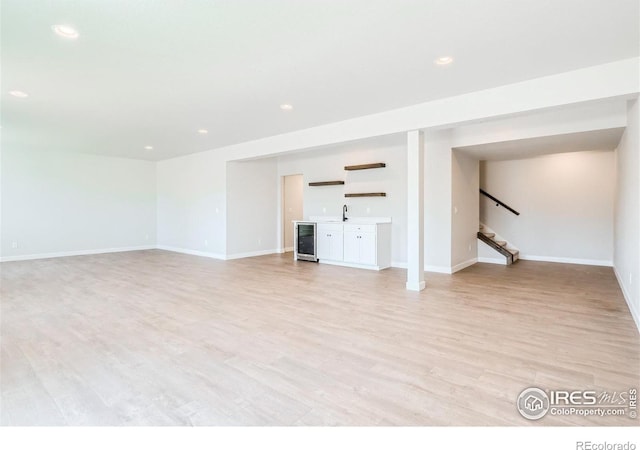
(152, 72)
(602, 140)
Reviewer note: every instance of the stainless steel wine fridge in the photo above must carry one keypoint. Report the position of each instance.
(305, 242)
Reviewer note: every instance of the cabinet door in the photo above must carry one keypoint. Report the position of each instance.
(337, 246)
(324, 244)
(351, 247)
(367, 248)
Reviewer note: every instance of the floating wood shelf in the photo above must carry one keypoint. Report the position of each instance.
(326, 183)
(366, 166)
(369, 194)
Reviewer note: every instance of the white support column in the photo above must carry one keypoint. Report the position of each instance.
(415, 211)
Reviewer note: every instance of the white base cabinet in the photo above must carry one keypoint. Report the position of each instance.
(330, 241)
(366, 246)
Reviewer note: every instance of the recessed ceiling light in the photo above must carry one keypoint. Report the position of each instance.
(65, 31)
(19, 94)
(286, 107)
(148, 147)
(202, 131)
(443, 60)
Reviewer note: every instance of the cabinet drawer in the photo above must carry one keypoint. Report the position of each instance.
(369, 228)
(323, 227)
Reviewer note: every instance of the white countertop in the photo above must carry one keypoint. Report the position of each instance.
(351, 220)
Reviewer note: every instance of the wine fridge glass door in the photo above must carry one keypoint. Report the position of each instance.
(306, 241)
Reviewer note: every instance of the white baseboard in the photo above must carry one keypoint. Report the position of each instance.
(252, 254)
(352, 265)
(484, 259)
(287, 249)
(584, 262)
(554, 259)
(188, 251)
(464, 265)
(168, 248)
(76, 253)
(627, 297)
(399, 265)
(218, 255)
(437, 269)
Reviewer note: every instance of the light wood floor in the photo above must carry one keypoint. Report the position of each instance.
(158, 338)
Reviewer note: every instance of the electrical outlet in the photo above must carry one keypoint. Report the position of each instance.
(324, 210)
(146, 237)
(206, 242)
(14, 244)
(368, 210)
(217, 210)
(469, 248)
(259, 241)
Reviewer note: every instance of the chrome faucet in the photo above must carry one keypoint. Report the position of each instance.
(344, 213)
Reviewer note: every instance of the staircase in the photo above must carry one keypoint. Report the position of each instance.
(490, 238)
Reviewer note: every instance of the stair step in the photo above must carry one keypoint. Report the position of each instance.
(501, 247)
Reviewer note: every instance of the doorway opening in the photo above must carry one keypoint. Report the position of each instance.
(292, 207)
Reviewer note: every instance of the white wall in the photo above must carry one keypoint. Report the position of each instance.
(565, 201)
(252, 207)
(327, 164)
(292, 206)
(465, 210)
(627, 212)
(56, 203)
(192, 204)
